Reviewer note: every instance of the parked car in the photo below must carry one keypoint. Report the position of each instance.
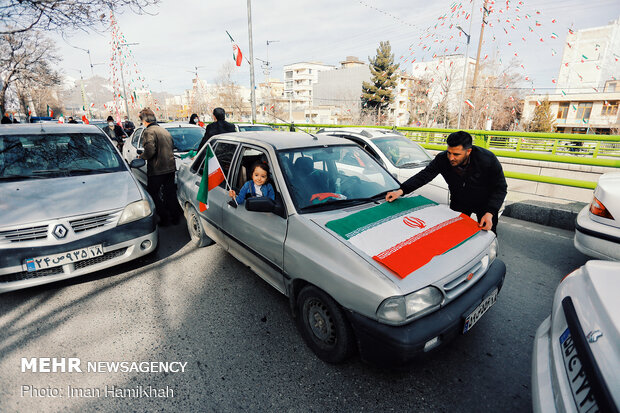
(250, 127)
(69, 205)
(346, 292)
(185, 137)
(402, 157)
(576, 363)
(597, 228)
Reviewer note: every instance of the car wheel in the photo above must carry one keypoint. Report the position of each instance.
(195, 229)
(324, 326)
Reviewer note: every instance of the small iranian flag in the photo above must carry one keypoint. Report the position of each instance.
(237, 56)
(50, 111)
(470, 103)
(85, 119)
(212, 177)
(406, 234)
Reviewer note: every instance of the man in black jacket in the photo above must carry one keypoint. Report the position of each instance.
(215, 128)
(474, 175)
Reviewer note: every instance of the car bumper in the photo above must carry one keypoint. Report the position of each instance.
(387, 345)
(595, 239)
(542, 384)
(120, 244)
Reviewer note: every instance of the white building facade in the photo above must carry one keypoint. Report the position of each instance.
(298, 81)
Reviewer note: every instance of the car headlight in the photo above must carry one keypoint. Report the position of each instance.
(134, 211)
(493, 250)
(403, 308)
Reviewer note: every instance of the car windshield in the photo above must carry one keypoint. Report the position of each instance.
(332, 177)
(254, 128)
(186, 139)
(402, 152)
(53, 155)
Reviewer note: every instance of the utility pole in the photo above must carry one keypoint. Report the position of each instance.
(485, 12)
(465, 64)
(123, 77)
(252, 86)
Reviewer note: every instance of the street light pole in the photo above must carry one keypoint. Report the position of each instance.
(252, 87)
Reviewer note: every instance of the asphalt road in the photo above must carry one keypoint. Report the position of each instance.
(242, 352)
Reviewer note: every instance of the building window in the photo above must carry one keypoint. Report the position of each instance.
(611, 86)
(563, 110)
(289, 74)
(610, 108)
(309, 71)
(583, 110)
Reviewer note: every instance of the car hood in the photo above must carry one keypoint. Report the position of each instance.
(444, 266)
(37, 200)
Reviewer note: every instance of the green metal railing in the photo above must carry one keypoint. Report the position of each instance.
(594, 150)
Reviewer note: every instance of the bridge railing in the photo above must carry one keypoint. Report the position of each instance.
(594, 150)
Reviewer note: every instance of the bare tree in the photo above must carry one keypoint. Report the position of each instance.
(228, 93)
(18, 16)
(26, 60)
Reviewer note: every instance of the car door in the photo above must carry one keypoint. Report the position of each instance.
(131, 150)
(258, 236)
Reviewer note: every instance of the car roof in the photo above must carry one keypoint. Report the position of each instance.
(45, 128)
(282, 140)
(364, 132)
(179, 125)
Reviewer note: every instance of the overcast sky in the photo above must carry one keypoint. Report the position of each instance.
(180, 35)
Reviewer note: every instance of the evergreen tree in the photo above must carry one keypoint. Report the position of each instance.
(377, 94)
(543, 120)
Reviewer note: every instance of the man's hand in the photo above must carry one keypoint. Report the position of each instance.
(391, 196)
(486, 222)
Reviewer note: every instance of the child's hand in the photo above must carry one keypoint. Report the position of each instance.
(232, 193)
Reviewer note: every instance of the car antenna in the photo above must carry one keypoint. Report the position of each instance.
(292, 127)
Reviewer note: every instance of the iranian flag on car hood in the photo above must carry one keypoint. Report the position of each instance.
(406, 234)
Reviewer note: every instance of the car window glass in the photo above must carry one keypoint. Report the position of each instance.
(53, 155)
(136, 138)
(401, 151)
(316, 174)
(185, 138)
(224, 152)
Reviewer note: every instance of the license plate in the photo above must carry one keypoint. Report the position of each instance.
(56, 260)
(476, 315)
(579, 384)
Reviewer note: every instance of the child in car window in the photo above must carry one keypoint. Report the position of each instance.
(258, 186)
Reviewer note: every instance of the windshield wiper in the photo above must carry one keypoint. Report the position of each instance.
(414, 164)
(9, 177)
(347, 202)
(85, 171)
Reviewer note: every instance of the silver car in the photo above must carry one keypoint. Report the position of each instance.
(419, 290)
(402, 157)
(576, 361)
(185, 137)
(69, 205)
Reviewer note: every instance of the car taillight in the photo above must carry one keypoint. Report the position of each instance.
(598, 209)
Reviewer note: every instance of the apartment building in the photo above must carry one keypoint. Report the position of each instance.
(298, 81)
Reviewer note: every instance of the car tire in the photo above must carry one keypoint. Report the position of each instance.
(324, 326)
(195, 229)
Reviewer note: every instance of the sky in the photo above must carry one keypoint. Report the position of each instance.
(179, 36)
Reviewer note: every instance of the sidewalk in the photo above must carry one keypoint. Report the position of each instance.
(553, 212)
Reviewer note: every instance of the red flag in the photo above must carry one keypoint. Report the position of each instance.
(85, 119)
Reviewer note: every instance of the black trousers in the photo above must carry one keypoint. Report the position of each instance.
(163, 191)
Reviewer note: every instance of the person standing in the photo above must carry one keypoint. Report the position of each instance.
(475, 179)
(128, 126)
(215, 128)
(160, 168)
(115, 132)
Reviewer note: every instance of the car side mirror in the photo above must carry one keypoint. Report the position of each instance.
(137, 163)
(260, 204)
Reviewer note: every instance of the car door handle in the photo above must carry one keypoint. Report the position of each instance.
(197, 183)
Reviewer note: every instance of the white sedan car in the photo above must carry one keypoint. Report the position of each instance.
(597, 230)
(401, 157)
(576, 362)
(184, 135)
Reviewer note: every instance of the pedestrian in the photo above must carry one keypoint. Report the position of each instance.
(128, 126)
(160, 168)
(115, 132)
(215, 128)
(474, 175)
(258, 186)
(5, 120)
(194, 119)
(71, 120)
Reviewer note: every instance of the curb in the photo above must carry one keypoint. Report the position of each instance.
(545, 213)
